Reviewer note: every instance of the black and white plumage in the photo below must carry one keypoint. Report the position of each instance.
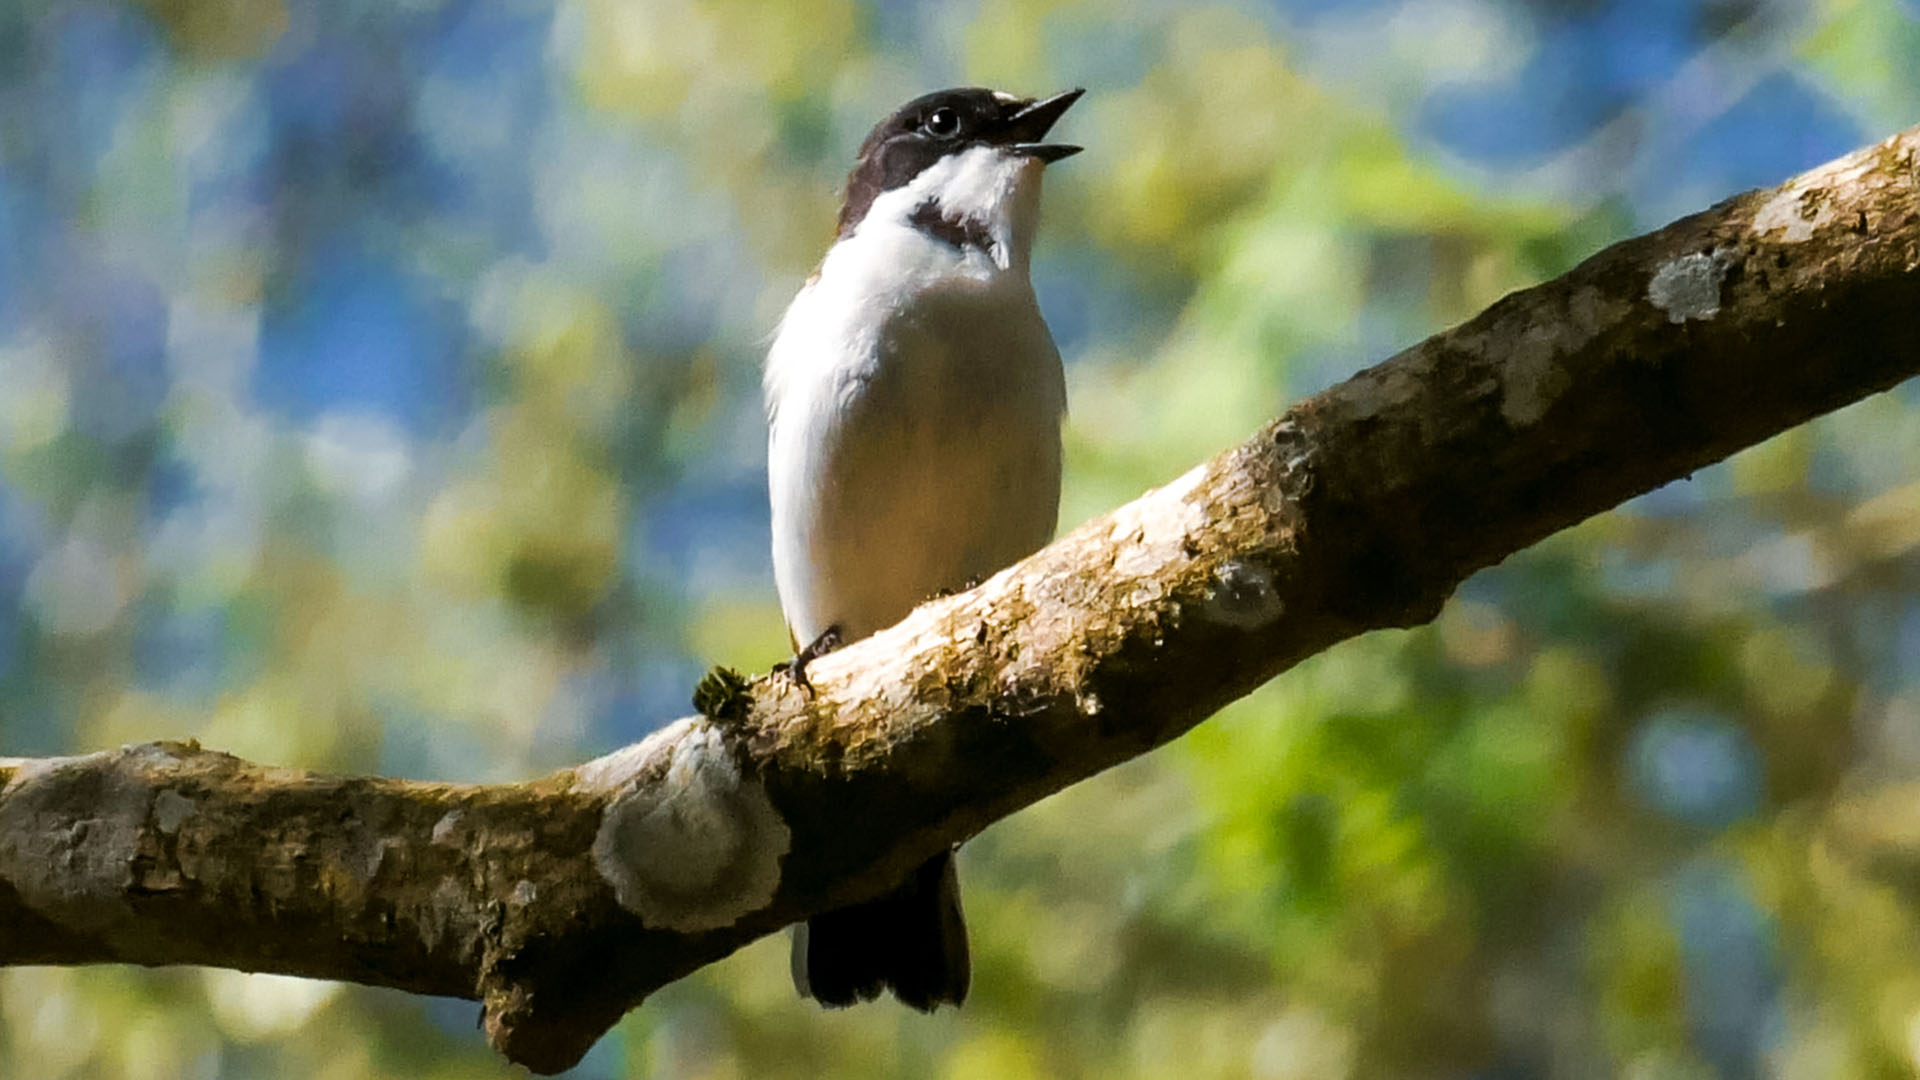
(915, 396)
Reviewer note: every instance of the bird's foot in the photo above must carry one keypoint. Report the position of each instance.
(796, 668)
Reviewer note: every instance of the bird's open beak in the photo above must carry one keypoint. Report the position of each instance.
(1025, 128)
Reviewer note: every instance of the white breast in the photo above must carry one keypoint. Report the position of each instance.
(915, 399)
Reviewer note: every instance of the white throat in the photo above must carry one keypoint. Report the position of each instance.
(989, 191)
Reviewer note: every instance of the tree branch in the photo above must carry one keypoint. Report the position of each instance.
(563, 902)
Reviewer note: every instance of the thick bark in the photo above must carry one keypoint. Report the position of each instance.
(563, 902)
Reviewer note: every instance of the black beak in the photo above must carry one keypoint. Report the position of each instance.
(1025, 128)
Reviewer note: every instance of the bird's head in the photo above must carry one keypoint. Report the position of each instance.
(962, 164)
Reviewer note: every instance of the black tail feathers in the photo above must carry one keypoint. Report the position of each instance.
(913, 941)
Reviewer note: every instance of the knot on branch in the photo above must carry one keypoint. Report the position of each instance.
(688, 842)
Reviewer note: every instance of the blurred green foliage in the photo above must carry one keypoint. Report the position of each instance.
(378, 391)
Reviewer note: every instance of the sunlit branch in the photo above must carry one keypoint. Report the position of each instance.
(563, 902)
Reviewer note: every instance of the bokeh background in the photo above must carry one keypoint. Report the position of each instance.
(378, 392)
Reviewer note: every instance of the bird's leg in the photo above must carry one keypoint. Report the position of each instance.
(796, 668)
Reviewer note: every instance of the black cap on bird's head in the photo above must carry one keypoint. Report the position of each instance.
(929, 128)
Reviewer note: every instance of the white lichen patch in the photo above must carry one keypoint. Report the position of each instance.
(616, 770)
(1534, 378)
(171, 809)
(1688, 287)
(693, 846)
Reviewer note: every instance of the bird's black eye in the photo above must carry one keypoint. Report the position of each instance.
(941, 123)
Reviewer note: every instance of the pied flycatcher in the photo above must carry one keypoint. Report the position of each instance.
(914, 396)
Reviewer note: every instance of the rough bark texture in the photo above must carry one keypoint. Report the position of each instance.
(563, 902)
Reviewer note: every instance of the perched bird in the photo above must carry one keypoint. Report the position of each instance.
(914, 397)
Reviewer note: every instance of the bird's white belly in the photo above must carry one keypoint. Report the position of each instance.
(930, 462)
